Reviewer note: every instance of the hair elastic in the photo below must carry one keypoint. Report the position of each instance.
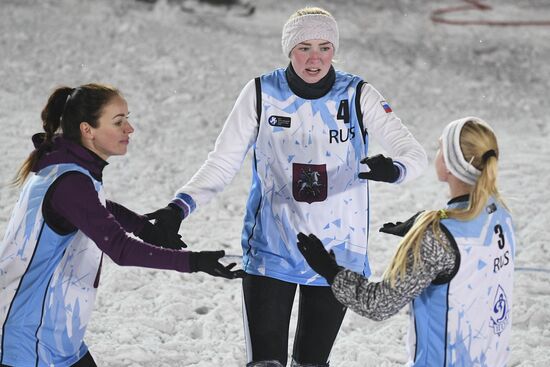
(452, 152)
(488, 154)
(442, 214)
(73, 92)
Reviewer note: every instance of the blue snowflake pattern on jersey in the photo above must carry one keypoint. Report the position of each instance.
(306, 161)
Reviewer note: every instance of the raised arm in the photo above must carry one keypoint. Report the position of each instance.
(379, 300)
(74, 204)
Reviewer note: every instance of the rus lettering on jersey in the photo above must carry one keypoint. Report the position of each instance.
(341, 135)
(309, 182)
(501, 261)
(504, 258)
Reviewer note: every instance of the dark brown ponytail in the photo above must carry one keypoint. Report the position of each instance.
(66, 109)
(51, 121)
(52, 112)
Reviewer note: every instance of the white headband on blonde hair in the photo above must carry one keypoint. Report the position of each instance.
(309, 27)
(452, 153)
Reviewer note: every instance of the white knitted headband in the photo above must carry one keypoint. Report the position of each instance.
(309, 27)
(452, 154)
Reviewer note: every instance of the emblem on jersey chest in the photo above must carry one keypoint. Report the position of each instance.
(309, 182)
(279, 121)
(501, 311)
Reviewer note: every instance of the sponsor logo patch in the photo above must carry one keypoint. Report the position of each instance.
(491, 208)
(280, 121)
(309, 182)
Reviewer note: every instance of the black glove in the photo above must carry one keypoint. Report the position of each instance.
(154, 235)
(381, 169)
(399, 228)
(207, 261)
(167, 219)
(317, 257)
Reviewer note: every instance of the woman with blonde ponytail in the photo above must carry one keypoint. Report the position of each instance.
(454, 265)
(51, 254)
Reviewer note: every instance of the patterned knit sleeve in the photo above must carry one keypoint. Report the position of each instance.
(378, 300)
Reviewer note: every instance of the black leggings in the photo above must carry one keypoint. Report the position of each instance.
(86, 361)
(268, 306)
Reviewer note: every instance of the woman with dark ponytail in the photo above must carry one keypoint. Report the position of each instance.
(51, 255)
(454, 265)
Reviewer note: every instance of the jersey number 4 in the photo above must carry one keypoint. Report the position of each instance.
(343, 111)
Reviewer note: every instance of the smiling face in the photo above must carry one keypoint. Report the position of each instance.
(312, 59)
(112, 134)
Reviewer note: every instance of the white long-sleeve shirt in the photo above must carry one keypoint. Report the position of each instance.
(241, 128)
(294, 138)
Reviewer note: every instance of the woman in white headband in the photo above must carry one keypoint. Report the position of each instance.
(309, 127)
(454, 265)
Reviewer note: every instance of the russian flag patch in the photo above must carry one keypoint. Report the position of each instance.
(386, 106)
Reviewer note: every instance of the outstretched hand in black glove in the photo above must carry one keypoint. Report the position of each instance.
(155, 235)
(208, 262)
(317, 257)
(399, 228)
(167, 219)
(381, 169)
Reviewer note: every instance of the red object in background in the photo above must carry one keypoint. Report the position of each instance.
(437, 16)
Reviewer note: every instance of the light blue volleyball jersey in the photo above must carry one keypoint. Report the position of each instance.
(467, 320)
(47, 289)
(306, 160)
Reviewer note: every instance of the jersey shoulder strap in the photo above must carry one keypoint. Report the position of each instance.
(358, 110)
(258, 83)
(258, 98)
(444, 279)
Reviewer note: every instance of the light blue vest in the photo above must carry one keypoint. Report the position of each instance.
(306, 160)
(46, 281)
(467, 321)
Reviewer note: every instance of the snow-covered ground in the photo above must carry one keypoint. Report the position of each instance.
(181, 72)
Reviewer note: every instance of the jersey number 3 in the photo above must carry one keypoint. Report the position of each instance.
(498, 232)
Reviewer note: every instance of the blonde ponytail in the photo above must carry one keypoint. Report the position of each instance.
(476, 141)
